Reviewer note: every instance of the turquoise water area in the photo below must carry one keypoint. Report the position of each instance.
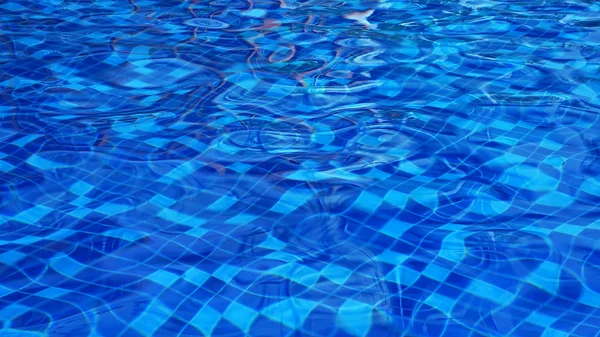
(265, 168)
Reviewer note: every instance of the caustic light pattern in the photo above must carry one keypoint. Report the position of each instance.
(299, 168)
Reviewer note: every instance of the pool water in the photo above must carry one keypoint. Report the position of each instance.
(300, 168)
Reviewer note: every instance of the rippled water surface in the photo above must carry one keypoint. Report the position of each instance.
(299, 168)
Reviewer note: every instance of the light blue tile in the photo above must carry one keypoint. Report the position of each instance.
(240, 315)
(490, 292)
(197, 232)
(26, 139)
(355, 317)
(426, 197)
(226, 272)
(11, 257)
(153, 317)
(368, 201)
(403, 275)
(529, 177)
(291, 312)
(391, 257)
(298, 273)
(81, 187)
(241, 219)
(550, 332)
(441, 302)
(436, 272)
(11, 311)
(52, 292)
(33, 215)
(112, 209)
(126, 234)
(181, 218)
(555, 199)
(584, 90)
(136, 83)
(546, 276)
(81, 201)
(591, 186)
(589, 297)
(162, 201)
(178, 172)
(164, 278)
(570, 229)
(272, 243)
(291, 200)
(193, 143)
(408, 167)
(206, 319)
(488, 206)
(60, 234)
(157, 142)
(541, 319)
(6, 167)
(80, 212)
(222, 204)
(336, 273)
(395, 228)
(66, 265)
(196, 276)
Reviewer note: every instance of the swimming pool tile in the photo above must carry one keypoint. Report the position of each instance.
(164, 278)
(589, 297)
(355, 317)
(367, 201)
(112, 208)
(549, 332)
(389, 153)
(52, 292)
(336, 273)
(273, 244)
(490, 292)
(290, 312)
(33, 215)
(180, 218)
(154, 316)
(291, 200)
(80, 213)
(541, 319)
(11, 311)
(298, 273)
(240, 315)
(591, 186)
(222, 204)
(226, 272)
(436, 272)
(544, 276)
(570, 229)
(11, 257)
(440, 302)
(391, 257)
(403, 275)
(555, 199)
(66, 265)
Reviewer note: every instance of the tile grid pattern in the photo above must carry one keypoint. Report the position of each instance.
(250, 174)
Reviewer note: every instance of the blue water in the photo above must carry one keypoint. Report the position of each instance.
(300, 168)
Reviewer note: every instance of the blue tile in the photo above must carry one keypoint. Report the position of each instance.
(240, 315)
(299, 168)
(81, 187)
(206, 319)
(163, 278)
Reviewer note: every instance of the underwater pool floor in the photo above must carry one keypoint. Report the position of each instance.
(272, 168)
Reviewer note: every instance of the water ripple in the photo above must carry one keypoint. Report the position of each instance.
(299, 167)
